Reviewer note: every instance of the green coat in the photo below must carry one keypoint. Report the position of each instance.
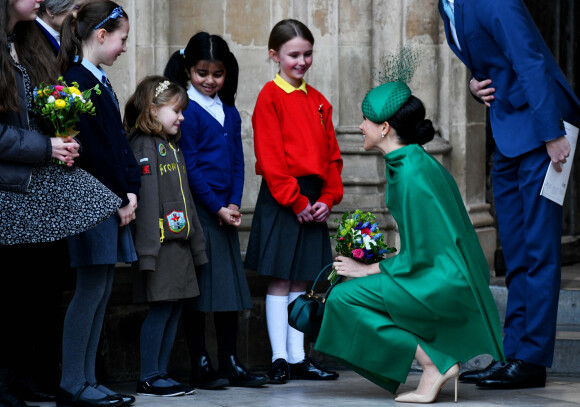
(434, 292)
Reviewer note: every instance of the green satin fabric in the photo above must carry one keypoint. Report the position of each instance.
(434, 292)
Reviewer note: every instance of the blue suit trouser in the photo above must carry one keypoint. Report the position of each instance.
(530, 229)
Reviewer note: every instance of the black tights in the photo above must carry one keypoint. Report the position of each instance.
(226, 327)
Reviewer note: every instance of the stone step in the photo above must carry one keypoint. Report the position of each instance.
(567, 348)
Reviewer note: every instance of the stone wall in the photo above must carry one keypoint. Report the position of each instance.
(351, 38)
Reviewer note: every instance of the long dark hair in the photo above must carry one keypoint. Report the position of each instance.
(38, 60)
(410, 123)
(79, 26)
(205, 47)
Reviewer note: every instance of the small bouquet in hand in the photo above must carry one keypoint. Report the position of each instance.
(62, 105)
(358, 236)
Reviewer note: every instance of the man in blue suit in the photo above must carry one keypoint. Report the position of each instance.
(515, 75)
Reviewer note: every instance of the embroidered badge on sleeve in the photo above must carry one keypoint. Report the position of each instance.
(145, 166)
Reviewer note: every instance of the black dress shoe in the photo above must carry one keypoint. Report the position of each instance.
(238, 376)
(9, 399)
(515, 374)
(66, 399)
(148, 388)
(279, 372)
(26, 393)
(188, 390)
(127, 399)
(310, 370)
(203, 376)
(473, 376)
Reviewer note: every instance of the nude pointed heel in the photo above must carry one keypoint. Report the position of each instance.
(456, 380)
(413, 397)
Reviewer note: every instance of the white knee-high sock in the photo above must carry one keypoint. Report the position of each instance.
(295, 338)
(277, 321)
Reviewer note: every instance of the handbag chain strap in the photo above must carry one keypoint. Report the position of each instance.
(324, 270)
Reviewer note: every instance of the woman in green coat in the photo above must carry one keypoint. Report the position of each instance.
(431, 302)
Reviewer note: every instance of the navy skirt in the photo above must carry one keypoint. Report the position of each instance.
(279, 246)
(222, 281)
(106, 243)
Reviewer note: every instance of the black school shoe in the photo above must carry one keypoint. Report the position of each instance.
(279, 373)
(473, 376)
(188, 390)
(126, 398)
(203, 376)
(66, 399)
(8, 398)
(30, 394)
(238, 376)
(146, 388)
(310, 370)
(515, 374)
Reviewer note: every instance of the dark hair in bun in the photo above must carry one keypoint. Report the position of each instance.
(410, 123)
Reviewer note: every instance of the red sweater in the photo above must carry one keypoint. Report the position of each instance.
(294, 137)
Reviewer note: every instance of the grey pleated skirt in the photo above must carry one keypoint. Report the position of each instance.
(279, 246)
(222, 281)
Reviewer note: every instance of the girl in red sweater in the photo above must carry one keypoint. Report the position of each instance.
(299, 159)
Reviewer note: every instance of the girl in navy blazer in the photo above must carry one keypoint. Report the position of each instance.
(98, 32)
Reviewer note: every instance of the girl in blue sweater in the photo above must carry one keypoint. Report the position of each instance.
(212, 146)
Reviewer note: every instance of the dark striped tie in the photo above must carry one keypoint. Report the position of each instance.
(109, 89)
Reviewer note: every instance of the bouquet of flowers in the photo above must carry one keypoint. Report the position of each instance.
(62, 105)
(358, 236)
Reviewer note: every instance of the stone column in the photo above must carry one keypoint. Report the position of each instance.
(462, 123)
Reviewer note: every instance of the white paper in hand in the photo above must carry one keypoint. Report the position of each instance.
(555, 183)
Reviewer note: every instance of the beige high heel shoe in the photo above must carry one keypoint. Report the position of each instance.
(413, 397)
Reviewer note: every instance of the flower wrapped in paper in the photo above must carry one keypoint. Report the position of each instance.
(359, 237)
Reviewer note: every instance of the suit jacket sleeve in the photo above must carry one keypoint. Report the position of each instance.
(512, 28)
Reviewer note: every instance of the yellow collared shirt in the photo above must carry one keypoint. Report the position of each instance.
(286, 87)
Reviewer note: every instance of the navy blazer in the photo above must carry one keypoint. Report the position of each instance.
(105, 151)
(500, 41)
(52, 42)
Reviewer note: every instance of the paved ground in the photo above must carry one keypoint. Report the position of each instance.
(352, 390)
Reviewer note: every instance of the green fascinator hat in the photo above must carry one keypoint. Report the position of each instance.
(385, 100)
(398, 68)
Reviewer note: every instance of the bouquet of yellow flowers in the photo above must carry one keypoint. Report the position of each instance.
(358, 236)
(62, 105)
